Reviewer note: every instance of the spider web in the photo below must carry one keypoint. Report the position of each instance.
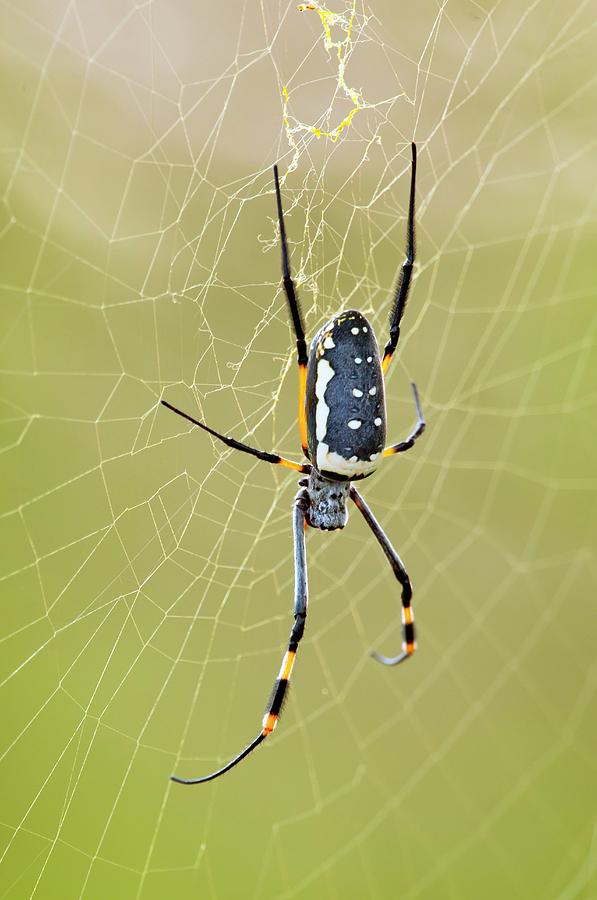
(147, 571)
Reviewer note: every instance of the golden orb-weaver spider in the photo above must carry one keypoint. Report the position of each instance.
(341, 414)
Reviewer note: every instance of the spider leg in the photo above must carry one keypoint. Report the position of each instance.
(274, 458)
(270, 719)
(415, 433)
(408, 621)
(401, 292)
(297, 320)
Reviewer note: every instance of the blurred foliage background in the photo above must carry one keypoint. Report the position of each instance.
(147, 572)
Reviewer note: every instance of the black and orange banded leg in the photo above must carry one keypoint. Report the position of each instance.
(408, 621)
(297, 321)
(415, 433)
(278, 695)
(402, 288)
(273, 458)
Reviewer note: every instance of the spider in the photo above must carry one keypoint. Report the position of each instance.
(341, 415)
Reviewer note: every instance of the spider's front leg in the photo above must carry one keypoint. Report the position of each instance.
(408, 620)
(297, 319)
(402, 288)
(270, 720)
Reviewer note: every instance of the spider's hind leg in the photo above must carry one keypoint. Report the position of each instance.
(408, 620)
(301, 594)
(279, 691)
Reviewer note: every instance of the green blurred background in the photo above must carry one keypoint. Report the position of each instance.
(147, 574)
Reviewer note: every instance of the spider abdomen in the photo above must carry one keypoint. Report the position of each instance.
(345, 402)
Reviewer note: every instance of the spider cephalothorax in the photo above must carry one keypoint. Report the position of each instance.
(342, 422)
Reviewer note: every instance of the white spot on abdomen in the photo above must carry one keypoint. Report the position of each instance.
(328, 343)
(354, 330)
(354, 424)
(357, 393)
(372, 391)
(330, 461)
(325, 373)
(358, 360)
(377, 421)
